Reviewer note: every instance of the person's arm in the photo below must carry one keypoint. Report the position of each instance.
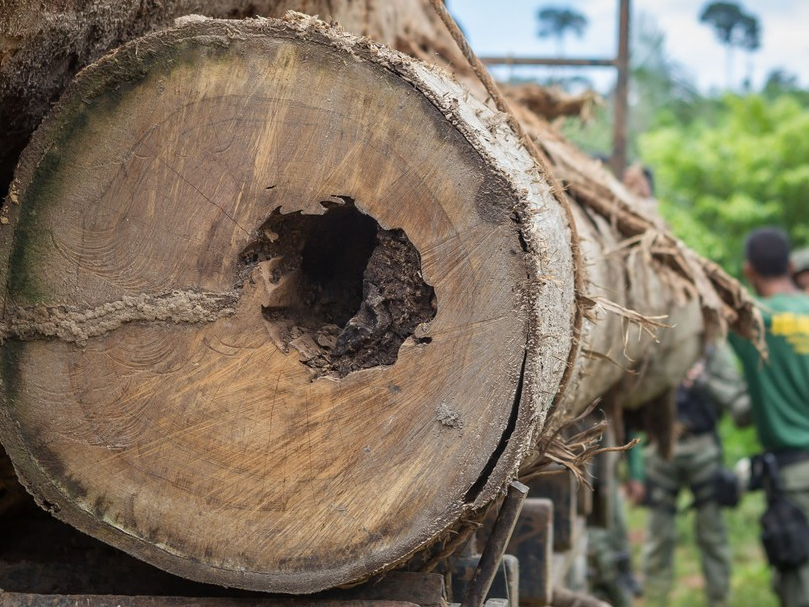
(726, 386)
(635, 486)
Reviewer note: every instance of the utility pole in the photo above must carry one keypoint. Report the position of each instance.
(621, 101)
(620, 62)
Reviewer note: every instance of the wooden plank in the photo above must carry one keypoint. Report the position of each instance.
(532, 544)
(424, 589)
(12, 599)
(561, 490)
(41, 555)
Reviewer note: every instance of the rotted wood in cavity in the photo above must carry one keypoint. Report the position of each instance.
(281, 308)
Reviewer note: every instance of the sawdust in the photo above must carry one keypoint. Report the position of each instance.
(72, 324)
(448, 416)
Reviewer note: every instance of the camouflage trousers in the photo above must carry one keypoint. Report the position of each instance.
(695, 461)
(792, 587)
(609, 555)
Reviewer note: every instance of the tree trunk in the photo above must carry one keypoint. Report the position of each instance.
(262, 278)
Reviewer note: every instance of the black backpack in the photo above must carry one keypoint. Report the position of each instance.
(784, 528)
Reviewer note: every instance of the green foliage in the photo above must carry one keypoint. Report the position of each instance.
(743, 164)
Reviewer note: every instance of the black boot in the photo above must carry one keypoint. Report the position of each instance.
(626, 577)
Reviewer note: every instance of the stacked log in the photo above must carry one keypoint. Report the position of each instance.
(284, 307)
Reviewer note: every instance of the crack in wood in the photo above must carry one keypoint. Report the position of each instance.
(73, 324)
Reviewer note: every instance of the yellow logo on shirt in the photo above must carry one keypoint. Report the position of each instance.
(794, 328)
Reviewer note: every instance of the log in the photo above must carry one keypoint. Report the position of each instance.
(171, 388)
(261, 277)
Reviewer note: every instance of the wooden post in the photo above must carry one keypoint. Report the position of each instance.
(560, 489)
(620, 121)
(532, 544)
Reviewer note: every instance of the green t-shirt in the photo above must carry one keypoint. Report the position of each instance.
(779, 388)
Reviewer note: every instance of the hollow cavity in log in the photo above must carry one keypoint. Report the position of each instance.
(342, 291)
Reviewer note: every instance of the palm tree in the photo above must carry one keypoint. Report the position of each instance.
(750, 41)
(556, 22)
(734, 28)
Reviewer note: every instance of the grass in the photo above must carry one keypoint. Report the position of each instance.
(750, 581)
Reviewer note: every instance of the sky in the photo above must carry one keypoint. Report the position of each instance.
(510, 26)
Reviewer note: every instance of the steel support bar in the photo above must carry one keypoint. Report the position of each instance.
(496, 546)
(548, 61)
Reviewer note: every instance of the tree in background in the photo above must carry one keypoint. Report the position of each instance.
(733, 28)
(750, 42)
(661, 91)
(744, 164)
(556, 22)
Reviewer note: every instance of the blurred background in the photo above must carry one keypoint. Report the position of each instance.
(718, 108)
(718, 101)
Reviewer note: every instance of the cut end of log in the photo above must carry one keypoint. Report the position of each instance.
(383, 301)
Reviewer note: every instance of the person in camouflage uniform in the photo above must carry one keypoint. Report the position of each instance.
(611, 577)
(711, 386)
(800, 269)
